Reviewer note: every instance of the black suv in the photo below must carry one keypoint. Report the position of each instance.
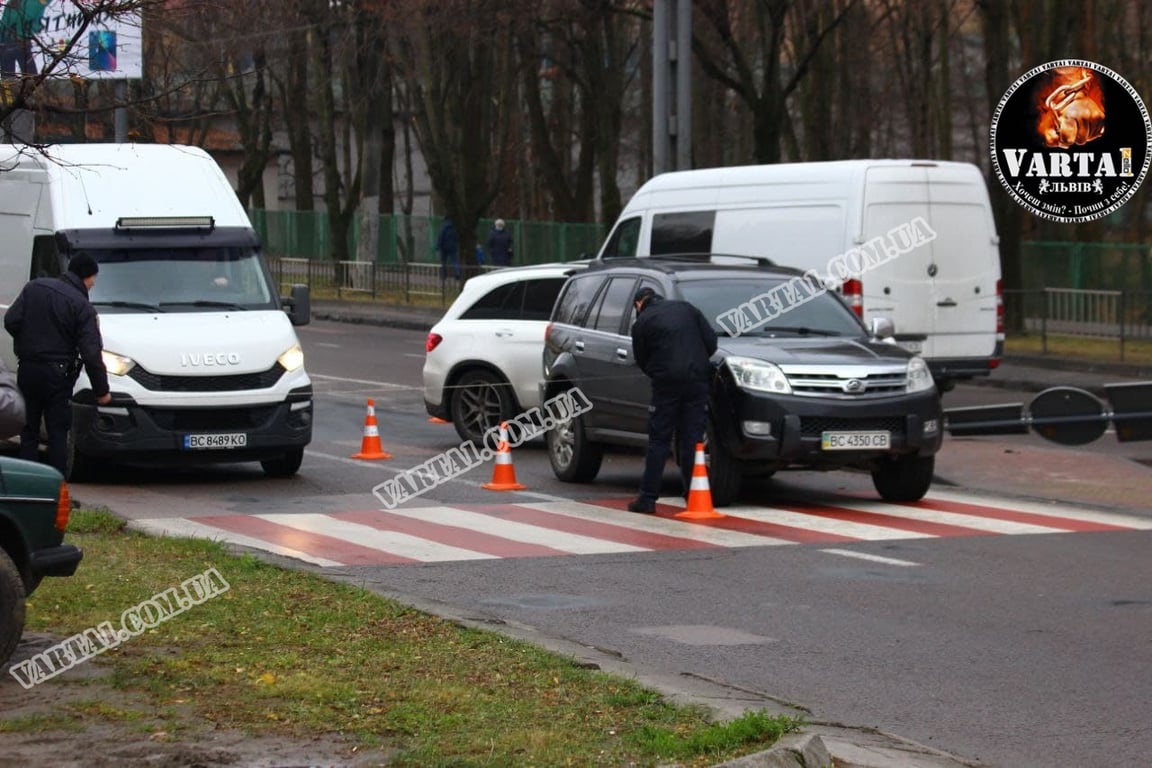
(810, 388)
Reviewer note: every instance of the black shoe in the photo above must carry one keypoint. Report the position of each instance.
(642, 505)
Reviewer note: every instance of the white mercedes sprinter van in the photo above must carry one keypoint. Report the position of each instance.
(943, 294)
(203, 361)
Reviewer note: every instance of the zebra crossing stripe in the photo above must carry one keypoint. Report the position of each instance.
(549, 528)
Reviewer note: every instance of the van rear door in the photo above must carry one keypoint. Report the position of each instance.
(942, 294)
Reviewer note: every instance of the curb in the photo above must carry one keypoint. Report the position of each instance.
(382, 320)
(794, 750)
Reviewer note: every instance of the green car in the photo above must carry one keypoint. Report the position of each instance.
(34, 510)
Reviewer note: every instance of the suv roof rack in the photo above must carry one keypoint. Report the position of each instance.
(671, 263)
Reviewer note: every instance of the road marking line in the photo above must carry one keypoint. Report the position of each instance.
(385, 384)
(1044, 513)
(190, 529)
(862, 531)
(653, 524)
(401, 544)
(926, 514)
(531, 534)
(871, 558)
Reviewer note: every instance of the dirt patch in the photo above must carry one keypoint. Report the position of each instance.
(79, 719)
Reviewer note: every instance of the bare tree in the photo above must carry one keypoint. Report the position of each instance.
(458, 69)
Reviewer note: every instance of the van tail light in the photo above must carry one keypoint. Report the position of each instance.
(547, 333)
(853, 291)
(1000, 308)
(63, 507)
(432, 341)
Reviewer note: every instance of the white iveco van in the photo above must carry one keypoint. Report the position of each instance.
(203, 362)
(943, 293)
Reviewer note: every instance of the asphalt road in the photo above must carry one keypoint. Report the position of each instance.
(1011, 650)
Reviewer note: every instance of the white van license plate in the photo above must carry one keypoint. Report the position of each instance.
(855, 441)
(235, 440)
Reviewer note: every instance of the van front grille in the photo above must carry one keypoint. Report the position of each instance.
(211, 419)
(212, 383)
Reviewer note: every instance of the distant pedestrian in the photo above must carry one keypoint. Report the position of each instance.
(673, 344)
(448, 245)
(55, 330)
(500, 245)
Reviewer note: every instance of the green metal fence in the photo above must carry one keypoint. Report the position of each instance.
(412, 239)
(1087, 266)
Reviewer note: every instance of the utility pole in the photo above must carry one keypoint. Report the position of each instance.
(671, 85)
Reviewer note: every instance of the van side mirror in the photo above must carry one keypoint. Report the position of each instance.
(298, 305)
(882, 328)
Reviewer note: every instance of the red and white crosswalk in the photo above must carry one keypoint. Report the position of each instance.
(554, 528)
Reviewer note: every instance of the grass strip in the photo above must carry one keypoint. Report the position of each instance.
(286, 652)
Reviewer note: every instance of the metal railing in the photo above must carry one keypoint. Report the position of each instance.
(401, 283)
(1104, 314)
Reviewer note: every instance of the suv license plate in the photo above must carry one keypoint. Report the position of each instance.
(235, 440)
(855, 441)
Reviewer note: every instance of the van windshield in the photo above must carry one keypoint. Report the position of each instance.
(181, 280)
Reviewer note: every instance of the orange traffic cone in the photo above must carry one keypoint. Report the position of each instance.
(370, 447)
(699, 493)
(503, 473)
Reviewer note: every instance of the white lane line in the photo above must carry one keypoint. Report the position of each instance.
(871, 558)
(654, 524)
(414, 354)
(862, 531)
(326, 344)
(402, 544)
(1050, 510)
(572, 543)
(925, 514)
(384, 384)
(190, 529)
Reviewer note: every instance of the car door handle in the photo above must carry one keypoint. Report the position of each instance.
(621, 353)
(946, 303)
(505, 332)
(579, 346)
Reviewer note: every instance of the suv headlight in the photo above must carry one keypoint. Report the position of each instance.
(919, 377)
(758, 376)
(117, 365)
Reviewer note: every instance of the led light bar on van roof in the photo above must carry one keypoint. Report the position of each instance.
(165, 222)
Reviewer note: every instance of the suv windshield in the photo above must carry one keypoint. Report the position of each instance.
(822, 314)
(181, 279)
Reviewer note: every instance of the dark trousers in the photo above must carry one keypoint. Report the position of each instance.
(678, 408)
(47, 390)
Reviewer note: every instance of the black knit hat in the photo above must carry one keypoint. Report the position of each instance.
(644, 294)
(82, 265)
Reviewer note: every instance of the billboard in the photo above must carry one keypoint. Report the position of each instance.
(34, 32)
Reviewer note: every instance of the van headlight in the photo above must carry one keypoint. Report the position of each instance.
(292, 358)
(758, 376)
(117, 364)
(919, 377)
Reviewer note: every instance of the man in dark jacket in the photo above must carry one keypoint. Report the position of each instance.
(500, 245)
(53, 323)
(673, 344)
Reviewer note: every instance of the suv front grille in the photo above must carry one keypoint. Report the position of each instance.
(846, 383)
(814, 426)
(233, 383)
